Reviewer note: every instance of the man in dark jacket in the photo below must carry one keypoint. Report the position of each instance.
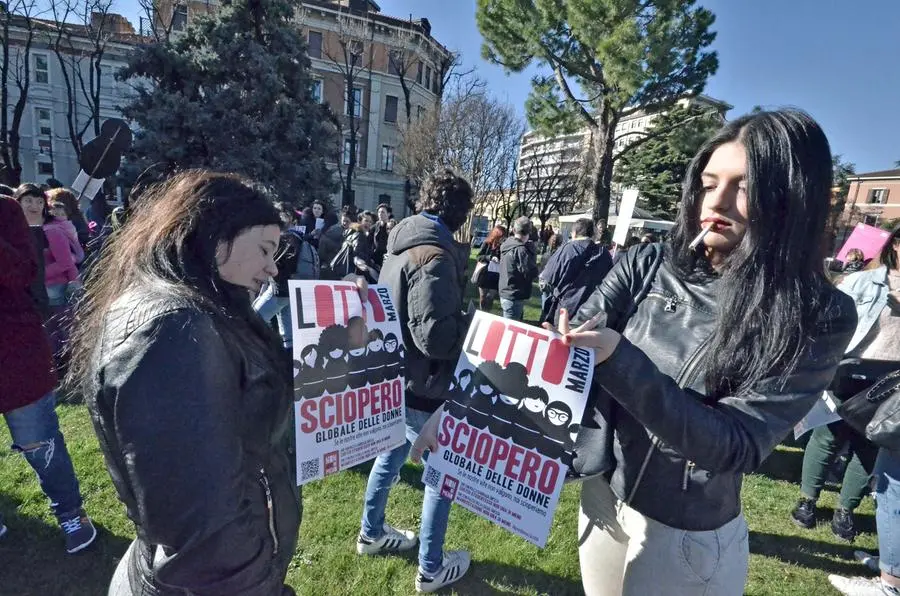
(574, 272)
(426, 271)
(518, 269)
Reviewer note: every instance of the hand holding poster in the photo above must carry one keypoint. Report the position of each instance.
(348, 376)
(505, 438)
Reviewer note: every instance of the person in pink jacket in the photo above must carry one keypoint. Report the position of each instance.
(61, 222)
(60, 266)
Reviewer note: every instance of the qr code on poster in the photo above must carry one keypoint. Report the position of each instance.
(309, 469)
(432, 477)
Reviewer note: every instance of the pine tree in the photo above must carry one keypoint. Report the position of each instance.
(598, 61)
(234, 93)
(658, 165)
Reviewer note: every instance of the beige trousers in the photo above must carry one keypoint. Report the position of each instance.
(624, 553)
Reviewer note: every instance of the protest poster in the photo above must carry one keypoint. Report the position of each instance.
(869, 239)
(348, 376)
(505, 436)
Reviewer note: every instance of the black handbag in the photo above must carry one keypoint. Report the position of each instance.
(874, 411)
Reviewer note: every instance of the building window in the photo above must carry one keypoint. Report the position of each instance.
(41, 69)
(45, 168)
(390, 108)
(420, 113)
(428, 77)
(317, 90)
(877, 196)
(871, 220)
(387, 158)
(44, 120)
(357, 103)
(436, 83)
(395, 63)
(314, 44)
(179, 17)
(347, 144)
(419, 72)
(45, 146)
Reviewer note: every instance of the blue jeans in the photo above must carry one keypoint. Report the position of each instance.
(36, 435)
(513, 309)
(268, 305)
(887, 510)
(435, 508)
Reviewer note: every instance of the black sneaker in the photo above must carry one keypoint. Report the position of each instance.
(842, 524)
(79, 532)
(804, 514)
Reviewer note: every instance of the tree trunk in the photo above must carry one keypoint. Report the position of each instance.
(601, 174)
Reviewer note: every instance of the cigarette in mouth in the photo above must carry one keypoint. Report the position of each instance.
(696, 241)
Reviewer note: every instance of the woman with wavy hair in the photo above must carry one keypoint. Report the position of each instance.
(190, 391)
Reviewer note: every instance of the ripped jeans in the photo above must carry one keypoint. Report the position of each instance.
(435, 508)
(36, 428)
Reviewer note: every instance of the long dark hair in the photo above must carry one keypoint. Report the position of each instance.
(772, 282)
(169, 245)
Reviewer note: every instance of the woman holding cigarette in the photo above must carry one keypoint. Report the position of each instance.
(708, 352)
(739, 334)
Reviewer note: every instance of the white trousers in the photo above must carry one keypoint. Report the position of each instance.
(624, 553)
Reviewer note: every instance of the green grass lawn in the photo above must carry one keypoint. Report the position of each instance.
(785, 560)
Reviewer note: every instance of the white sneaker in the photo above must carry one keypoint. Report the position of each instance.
(454, 566)
(3, 530)
(392, 541)
(870, 561)
(861, 586)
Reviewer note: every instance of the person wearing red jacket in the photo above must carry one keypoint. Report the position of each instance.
(27, 381)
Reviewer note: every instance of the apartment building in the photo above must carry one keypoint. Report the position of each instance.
(46, 149)
(561, 155)
(873, 199)
(389, 62)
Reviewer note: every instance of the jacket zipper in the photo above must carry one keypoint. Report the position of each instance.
(688, 468)
(671, 300)
(685, 377)
(264, 481)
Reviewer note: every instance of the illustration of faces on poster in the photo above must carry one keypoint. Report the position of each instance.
(506, 435)
(348, 376)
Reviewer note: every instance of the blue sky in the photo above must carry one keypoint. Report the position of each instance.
(838, 60)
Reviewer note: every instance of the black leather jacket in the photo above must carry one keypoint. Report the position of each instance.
(194, 425)
(680, 459)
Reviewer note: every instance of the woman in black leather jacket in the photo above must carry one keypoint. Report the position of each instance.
(190, 392)
(707, 357)
(730, 347)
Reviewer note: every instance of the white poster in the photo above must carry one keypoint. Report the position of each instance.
(348, 376)
(623, 218)
(506, 435)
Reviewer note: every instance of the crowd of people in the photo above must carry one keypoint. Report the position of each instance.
(172, 320)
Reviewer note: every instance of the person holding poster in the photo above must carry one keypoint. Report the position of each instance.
(190, 391)
(709, 350)
(425, 270)
(738, 334)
